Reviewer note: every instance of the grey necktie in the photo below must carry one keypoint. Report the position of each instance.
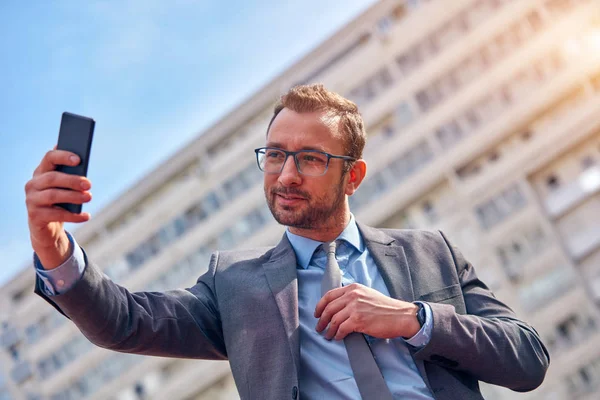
(369, 380)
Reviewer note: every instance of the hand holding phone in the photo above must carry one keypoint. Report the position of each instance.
(60, 178)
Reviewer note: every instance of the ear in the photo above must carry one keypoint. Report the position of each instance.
(356, 176)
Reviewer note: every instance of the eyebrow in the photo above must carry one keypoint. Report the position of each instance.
(280, 146)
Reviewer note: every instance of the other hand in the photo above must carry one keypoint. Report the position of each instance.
(357, 308)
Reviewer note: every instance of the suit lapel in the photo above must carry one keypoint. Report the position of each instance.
(391, 262)
(280, 271)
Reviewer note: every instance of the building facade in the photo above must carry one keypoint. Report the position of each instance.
(484, 121)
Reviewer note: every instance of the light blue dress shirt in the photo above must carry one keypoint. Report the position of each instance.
(325, 371)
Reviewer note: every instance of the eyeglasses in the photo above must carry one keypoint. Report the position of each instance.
(308, 162)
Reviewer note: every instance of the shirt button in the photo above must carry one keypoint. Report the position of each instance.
(295, 392)
(60, 283)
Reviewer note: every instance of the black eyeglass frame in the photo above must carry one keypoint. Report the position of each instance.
(294, 156)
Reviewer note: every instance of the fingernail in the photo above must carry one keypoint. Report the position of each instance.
(74, 159)
(85, 185)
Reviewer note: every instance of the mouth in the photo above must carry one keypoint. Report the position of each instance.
(289, 196)
(288, 200)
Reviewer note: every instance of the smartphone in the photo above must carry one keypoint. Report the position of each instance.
(75, 135)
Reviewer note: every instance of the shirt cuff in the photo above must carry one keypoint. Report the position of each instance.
(62, 278)
(421, 338)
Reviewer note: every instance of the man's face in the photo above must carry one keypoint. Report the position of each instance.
(300, 201)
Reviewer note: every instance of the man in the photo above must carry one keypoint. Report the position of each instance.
(415, 320)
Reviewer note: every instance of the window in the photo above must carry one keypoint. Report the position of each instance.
(552, 182)
(547, 288)
(499, 208)
(449, 134)
(211, 203)
(404, 115)
(493, 156)
(429, 211)
(372, 86)
(586, 380)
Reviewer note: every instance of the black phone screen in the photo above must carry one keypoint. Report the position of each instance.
(75, 135)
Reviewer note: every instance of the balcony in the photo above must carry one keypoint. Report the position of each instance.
(564, 198)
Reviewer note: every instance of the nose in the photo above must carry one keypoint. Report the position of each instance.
(289, 175)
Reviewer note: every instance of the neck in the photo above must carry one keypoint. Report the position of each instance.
(326, 232)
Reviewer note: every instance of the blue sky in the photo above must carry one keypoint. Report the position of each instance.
(152, 74)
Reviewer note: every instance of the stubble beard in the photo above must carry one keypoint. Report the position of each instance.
(313, 215)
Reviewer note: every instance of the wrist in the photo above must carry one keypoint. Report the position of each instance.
(53, 256)
(412, 325)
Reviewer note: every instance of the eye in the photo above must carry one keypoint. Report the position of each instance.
(273, 154)
(313, 158)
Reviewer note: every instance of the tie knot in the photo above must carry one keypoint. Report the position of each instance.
(330, 247)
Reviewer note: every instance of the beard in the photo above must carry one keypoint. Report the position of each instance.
(311, 215)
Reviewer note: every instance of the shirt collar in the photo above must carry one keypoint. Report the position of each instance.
(305, 247)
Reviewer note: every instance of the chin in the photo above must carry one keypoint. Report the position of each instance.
(287, 217)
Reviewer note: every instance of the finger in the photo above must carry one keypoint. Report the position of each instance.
(330, 310)
(54, 158)
(50, 197)
(336, 321)
(345, 328)
(56, 179)
(328, 297)
(45, 215)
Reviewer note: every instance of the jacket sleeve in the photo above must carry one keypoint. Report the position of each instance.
(177, 323)
(488, 342)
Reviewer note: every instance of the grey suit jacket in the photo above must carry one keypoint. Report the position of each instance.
(245, 309)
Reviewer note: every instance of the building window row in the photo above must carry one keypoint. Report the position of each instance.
(392, 174)
(477, 63)
(382, 27)
(43, 327)
(427, 211)
(583, 162)
(95, 378)
(426, 49)
(491, 157)
(585, 380)
(493, 104)
(448, 34)
(570, 332)
(523, 245)
(545, 289)
(191, 217)
(371, 87)
(500, 207)
(62, 356)
(189, 268)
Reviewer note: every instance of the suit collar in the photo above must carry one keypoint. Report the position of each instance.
(391, 261)
(305, 247)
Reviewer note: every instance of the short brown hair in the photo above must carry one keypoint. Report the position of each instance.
(311, 98)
